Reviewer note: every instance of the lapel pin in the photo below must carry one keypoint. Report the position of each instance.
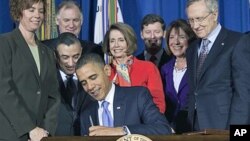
(118, 108)
(222, 44)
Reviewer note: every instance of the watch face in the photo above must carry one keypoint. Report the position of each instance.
(134, 137)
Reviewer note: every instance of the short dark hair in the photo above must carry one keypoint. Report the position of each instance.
(152, 18)
(67, 38)
(17, 6)
(128, 33)
(90, 58)
(177, 25)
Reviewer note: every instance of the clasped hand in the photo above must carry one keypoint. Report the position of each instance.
(37, 134)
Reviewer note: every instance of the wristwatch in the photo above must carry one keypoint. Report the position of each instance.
(125, 130)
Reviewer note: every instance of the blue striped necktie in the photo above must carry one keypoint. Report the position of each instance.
(106, 116)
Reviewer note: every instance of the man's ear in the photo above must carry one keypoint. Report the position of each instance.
(107, 69)
(215, 15)
(142, 36)
(164, 33)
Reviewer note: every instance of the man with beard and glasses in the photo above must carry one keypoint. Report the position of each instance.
(152, 33)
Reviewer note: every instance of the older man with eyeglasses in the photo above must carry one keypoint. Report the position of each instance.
(217, 71)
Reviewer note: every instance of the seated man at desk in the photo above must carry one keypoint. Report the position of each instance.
(116, 110)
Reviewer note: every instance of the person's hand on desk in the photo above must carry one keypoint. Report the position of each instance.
(106, 131)
(37, 134)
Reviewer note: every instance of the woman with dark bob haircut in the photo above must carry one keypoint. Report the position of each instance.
(178, 37)
(120, 43)
(29, 97)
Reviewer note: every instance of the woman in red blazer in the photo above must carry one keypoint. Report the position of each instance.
(120, 43)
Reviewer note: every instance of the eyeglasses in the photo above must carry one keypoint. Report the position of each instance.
(198, 20)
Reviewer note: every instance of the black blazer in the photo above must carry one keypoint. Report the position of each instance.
(68, 125)
(27, 99)
(164, 58)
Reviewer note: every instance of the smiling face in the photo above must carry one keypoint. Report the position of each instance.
(178, 42)
(95, 80)
(32, 17)
(69, 20)
(204, 21)
(118, 44)
(153, 34)
(68, 56)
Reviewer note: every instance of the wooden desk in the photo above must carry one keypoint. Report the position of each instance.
(154, 138)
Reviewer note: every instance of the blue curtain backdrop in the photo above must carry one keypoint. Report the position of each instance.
(234, 14)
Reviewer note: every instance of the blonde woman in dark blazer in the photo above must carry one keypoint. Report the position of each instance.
(29, 96)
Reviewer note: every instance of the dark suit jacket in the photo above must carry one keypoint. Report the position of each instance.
(176, 111)
(164, 58)
(87, 47)
(27, 99)
(68, 122)
(133, 107)
(219, 91)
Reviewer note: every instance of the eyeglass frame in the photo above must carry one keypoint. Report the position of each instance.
(198, 20)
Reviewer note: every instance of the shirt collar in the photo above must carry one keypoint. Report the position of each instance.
(64, 76)
(110, 96)
(213, 35)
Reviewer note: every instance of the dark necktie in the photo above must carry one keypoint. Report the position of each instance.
(71, 91)
(153, 59)
(106, 115)
(203, 54)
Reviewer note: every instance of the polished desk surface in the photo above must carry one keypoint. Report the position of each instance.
(204, 135)
(153, 138)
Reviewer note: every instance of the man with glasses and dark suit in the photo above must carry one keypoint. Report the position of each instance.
(217, 70)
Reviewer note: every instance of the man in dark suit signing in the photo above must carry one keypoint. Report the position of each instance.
(116, 110)
(153, 33)
(73, 98)
(69, 18)
(218, 70)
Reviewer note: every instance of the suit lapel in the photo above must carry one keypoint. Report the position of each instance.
(183, 82)
(214, 52)
(20, 41)
(164, 59)
(119, 107)
(194, 59)
(170, 82)
(43, 60)
(82, 98)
